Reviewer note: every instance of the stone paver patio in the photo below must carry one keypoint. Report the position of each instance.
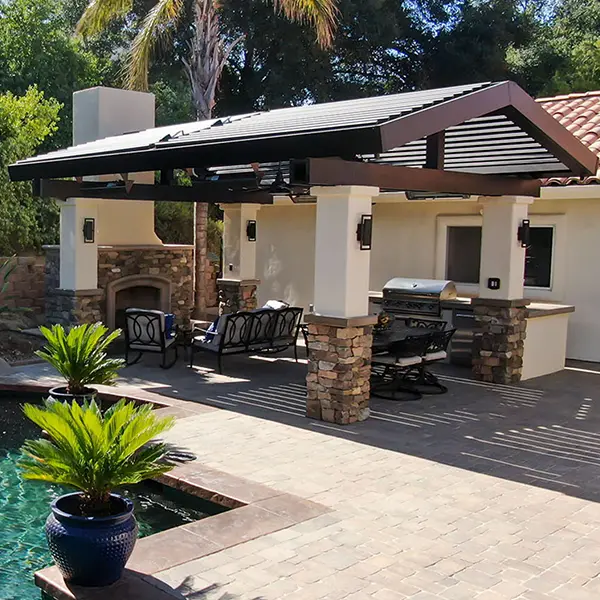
(487, 492)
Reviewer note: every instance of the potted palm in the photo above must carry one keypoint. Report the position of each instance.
(79, 355)
(91, 532)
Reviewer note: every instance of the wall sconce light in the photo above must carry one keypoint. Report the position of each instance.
(364, 232)
(251, 231)
(523, 233)
(89, 231)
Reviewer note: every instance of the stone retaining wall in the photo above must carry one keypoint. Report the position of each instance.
(25, 284)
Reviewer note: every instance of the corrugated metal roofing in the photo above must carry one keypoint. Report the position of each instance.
(346, 114)
(489, 144)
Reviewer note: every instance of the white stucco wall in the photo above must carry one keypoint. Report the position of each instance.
(544, 349)
(285, 253)
(407, 242)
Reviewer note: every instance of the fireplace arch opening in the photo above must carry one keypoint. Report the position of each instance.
(136, 291)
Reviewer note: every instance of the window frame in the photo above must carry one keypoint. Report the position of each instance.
(557, 267)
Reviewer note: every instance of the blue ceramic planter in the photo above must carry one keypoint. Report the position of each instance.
(91, 551)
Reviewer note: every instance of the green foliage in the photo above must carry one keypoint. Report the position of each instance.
(25, 122)
(80, 355)
(564, 55)
(95, 452)
(173, 102)
(174, 224)
(37, 47)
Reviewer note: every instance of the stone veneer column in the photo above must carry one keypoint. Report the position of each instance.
(499, 339)
(235, 295)
(501, 311)
(340, 330)
(339, 368)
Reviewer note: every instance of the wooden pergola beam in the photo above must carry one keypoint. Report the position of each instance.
(502, 98)
(333, 171)
(209, 192)
(435, 146)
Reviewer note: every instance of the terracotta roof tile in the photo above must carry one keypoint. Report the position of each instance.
(580, 114)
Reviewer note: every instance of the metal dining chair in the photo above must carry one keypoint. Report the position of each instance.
(436, 350)
(389, 375)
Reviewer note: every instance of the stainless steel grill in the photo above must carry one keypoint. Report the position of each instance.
(403, 296)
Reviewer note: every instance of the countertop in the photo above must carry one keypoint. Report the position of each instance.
(536, 308)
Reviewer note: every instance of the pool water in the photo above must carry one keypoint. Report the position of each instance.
(24, 507)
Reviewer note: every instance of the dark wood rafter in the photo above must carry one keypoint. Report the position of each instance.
(435, 150)
(322, 171)
(544, 128)
(208, 192)
(503, 98)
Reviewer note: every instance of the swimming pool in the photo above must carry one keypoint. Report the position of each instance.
(24, 506)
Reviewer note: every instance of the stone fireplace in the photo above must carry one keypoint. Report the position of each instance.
(153, 277)
(139, 291)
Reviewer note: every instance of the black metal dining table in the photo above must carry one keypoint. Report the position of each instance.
(384, 339)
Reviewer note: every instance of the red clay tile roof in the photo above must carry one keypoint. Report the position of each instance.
(580, 114)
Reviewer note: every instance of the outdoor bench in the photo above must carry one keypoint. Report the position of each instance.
(249, 332)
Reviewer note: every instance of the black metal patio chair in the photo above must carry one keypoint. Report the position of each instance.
(390, 369)
(419, 376)
(146, 331)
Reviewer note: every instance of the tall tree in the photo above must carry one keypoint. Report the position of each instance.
(564, 55)
(473, 48)
(377, 50)
(208, 50)
(25, 123)
(36, 47)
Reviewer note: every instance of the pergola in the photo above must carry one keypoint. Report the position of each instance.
(487, 139)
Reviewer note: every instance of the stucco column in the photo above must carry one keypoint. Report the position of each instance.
(237, 288)
(340, 330)
(501, 310)
(78, 259)
(99, 113)
(102, 112)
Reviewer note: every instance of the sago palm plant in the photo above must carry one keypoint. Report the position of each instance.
(95, 452)
(79, 355)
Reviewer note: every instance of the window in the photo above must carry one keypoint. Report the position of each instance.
(463, 255)
(538, 257)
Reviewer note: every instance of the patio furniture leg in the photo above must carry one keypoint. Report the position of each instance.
(304, 330)
(191, 355)
(220, 365)
(296, 352)
(425, 381)
(164, 364)
(134, 361)
(392, 385)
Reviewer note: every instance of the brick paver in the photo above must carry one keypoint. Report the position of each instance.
(485, 493)
(402, 526)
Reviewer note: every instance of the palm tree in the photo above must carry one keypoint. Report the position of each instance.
(208, 52)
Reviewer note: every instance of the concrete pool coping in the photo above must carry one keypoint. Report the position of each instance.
(257, 510)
